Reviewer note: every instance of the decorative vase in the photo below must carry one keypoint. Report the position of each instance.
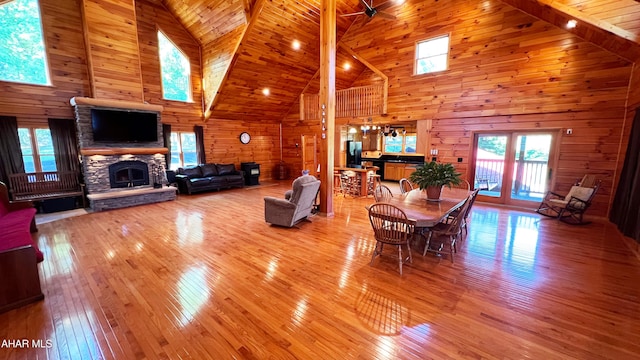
(433, 193)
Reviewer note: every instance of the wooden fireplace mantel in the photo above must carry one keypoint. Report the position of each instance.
(115, 104)
(123, 151)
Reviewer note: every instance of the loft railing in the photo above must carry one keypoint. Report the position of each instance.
(358, 101)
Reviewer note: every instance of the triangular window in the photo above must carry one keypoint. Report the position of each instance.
(176, 71)
(22, 53)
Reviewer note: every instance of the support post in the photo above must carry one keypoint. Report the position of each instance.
(327, 103)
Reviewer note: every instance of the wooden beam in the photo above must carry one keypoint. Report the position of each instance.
(327, 108)
(385, 78)
(314, 76)
(598, 32)
(257, 10)
(579, 15)
(248, 6)
(121, 104)
(123, 151)
(309, 83)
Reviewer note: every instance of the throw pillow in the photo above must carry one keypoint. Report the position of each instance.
(578, 192)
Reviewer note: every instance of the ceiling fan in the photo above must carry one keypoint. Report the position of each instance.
(372, 11)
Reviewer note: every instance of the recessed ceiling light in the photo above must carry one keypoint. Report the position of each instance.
(571, 24)
(295, 45)
(346, 65)
(266, 91)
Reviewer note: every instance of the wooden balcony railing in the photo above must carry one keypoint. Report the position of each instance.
(358, 101)
(530, 176)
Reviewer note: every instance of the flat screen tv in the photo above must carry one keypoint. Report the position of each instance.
(124, 126)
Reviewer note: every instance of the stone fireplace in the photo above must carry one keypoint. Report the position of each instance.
(116, 174)
(128, 173)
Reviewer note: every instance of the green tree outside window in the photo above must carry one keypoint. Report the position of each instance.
(36, 146)
(175, 69)
(183, 149)
(22, 54)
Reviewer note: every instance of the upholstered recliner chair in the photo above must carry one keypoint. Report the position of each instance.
(296, 206)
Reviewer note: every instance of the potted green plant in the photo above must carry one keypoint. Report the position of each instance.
(432, 176)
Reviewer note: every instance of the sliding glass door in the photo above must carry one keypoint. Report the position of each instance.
(513, 168)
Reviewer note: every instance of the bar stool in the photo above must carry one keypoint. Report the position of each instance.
(350, 183)
(337, 182)
(373, 180)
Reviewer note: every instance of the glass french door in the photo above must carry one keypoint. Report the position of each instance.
(513, 168)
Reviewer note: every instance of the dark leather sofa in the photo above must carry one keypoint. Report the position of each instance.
(208, 177)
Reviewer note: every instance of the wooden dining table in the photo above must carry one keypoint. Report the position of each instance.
(424, 213)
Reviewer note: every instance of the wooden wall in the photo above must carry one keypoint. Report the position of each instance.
(216, 57)
(62, 24)
(113, 54)
(222, 142)
(151, 17)
(508, 71)
(292, 130)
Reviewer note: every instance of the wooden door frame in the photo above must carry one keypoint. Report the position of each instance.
(504, 198)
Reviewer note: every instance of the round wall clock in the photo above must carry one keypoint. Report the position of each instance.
(245, 137)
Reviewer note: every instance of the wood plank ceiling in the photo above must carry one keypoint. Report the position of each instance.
(266, 58)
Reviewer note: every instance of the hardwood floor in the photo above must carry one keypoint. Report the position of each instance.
(204, 277)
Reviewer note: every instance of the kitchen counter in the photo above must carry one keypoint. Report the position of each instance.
(396, 164)
(363, 176)
(396, 170)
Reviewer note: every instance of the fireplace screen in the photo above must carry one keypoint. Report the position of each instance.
(128, 174)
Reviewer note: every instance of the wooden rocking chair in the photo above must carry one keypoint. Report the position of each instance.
(570, 208)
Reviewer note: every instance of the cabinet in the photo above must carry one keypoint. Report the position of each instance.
(371, 142)
(408, 170)
(393, 171)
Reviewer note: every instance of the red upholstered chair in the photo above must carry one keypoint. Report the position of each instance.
(19, 255)
(17, 219)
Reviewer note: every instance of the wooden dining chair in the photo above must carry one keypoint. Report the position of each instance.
(373, 180)
(390, 226)
(442, 237)
(382, 193)
(464, 184)
(465, 218)
(405, 186)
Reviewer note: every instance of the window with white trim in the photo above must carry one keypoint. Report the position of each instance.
(432, 55)
(22, 54)
(175, 70)
(37, 150)
(400, 144)
(183, 149)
